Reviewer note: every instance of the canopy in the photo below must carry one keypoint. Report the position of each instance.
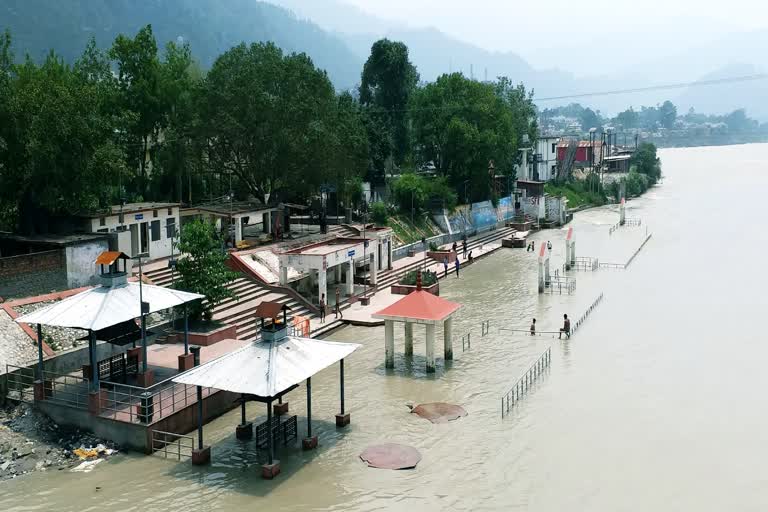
(420, 306)
(266, 369)
(105, 306)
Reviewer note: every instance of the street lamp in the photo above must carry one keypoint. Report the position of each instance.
(144, 312)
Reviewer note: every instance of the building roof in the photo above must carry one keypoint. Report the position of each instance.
(582, 143)
(104, 306)
(129, 209)
(109, 257)
(267, 309)
(617, 158)
(421, 306)
(268, 369)
(327, 246)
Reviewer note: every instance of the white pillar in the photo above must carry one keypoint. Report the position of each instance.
(238, 230)
(283, 275)
(337, 274)
(351, 278)
(375, 268)
(408, 338)
(547, 276)
(541, 275)
(567, 254)
(430, 348)
(389, 343)
(573, 253)
(622, 213)
(389, 254)
(448, 339)
(322, 285)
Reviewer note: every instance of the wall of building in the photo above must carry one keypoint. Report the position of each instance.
(158, 248)
(80, 269)
(33, 274)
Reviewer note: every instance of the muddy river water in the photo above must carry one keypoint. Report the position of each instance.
(657, 403)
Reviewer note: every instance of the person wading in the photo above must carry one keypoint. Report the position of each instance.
(445, 265)
(338, 304)
(533, 327)
(566, 328)
(457, 264)
(322, 309)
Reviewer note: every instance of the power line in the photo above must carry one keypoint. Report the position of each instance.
(680, 85)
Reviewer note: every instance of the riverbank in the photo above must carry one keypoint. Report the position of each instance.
(30, 441)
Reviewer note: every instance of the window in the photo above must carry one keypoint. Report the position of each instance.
(121, 218)
(554, 147)
(170, 227)
(102, 221)
(155, 230)
(154, 213)
(170, 211)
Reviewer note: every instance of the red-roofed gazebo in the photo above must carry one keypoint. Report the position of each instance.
(418, 307)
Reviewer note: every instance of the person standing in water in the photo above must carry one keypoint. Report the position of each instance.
(322, 309)
(566, 328)
(457, 264)
(533, 327)
(445, 265)
(338, 304)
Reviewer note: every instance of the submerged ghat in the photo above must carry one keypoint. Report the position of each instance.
(644, 405)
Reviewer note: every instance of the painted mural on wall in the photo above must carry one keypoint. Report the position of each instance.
(484, 215)
(481, 216)
(506, 209)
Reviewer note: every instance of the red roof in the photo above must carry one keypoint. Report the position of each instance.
(419, 305)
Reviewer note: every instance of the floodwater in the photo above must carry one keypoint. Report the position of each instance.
(655, 404)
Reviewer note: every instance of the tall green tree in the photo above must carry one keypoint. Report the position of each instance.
(645, 161)
(387, 83)
(667, 114)
(268, 119)
(139, 81)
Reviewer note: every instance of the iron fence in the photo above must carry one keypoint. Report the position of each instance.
(181, 446)
(20, 383)
(524, 383)
(134, 404)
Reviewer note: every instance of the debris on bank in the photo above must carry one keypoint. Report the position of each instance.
(30, 441)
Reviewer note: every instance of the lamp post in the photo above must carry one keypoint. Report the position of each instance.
(365, 254)
(144, 311)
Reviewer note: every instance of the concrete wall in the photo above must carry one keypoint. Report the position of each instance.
(33, 274)
(81, 271)
(160, 248)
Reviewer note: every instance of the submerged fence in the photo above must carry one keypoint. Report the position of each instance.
(524, 383)
(590, 309)
(623, 266)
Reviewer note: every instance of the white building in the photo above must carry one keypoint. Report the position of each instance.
(546, 158)
(140, 227)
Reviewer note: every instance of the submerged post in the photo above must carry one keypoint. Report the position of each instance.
(202, 455)
(342, 419)
(430, 348)
(389, 344)
(39, 384)
(309, 442)
(448, 339)
(272, 468)
(244, 430)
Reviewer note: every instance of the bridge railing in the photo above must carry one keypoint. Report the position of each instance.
(524, 383)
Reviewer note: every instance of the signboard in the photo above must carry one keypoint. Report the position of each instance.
(351, 253)
(139, 216)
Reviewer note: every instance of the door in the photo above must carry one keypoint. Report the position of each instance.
(134, 240)
(144, 237)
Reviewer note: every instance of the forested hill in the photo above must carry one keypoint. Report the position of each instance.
(210, 26)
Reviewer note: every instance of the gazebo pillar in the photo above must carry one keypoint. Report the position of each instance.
(409, 339)
(389, 343)
(244, 430)
(374, 268)
(430, 348)
(272, 468)
(448, 339)
(309, 442)
(342, 419)
(202, 455)
(95, 395)
(187, 359)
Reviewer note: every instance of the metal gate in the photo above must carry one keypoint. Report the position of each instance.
(172, 446)
(20, 383)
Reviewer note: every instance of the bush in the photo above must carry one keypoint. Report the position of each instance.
(410, 191)
(438, 189)
(646, 162)
(433, 247)
(379, 213)
(427, 278)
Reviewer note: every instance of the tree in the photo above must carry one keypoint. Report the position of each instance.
(139, 81)
(628, 119)
(667, 114)
(646, 162)
(268, 118)
(202, 269)
(410, 192)
(387, 83)
(589, 119)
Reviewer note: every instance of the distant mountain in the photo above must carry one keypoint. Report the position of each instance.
(210, 26)
(725, 98)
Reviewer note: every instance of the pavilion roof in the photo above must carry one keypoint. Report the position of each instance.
(267, 369)
(104, 306)
(420, 306)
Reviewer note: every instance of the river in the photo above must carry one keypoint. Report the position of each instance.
(655, 404)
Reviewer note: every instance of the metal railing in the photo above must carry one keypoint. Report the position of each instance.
(20, 382)
(71, 390)
(524, 383)
(560, 284)
(485, 328)
(466, 342)
(180, 445)
(134, 404)
(627, 222)
(585, 263)
(577, 324)
(527, 332)
(623, 266)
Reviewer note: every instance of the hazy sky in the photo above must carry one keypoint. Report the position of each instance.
(534, 28)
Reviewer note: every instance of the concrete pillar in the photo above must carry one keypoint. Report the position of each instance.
(374, 268)
(389, 343)
(547, 276)
(448, 339)
(322, 285)
(541, 275)
(573, 253)
(238, 230)
(430, 348)
(283, 275)
(408, 339)
(389, 254)
(622, 213)
(567, 254)
(351, 278)
(337, 274)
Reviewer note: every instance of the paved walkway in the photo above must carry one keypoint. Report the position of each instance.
(358, 314)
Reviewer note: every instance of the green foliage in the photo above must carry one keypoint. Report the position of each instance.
(203, 269)
(645, 161)
(410, 193)
(589, 119)
(427, 278)
(433, 247)
(578, 192)
(628, 119)
(379, 213)
(387, 83)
